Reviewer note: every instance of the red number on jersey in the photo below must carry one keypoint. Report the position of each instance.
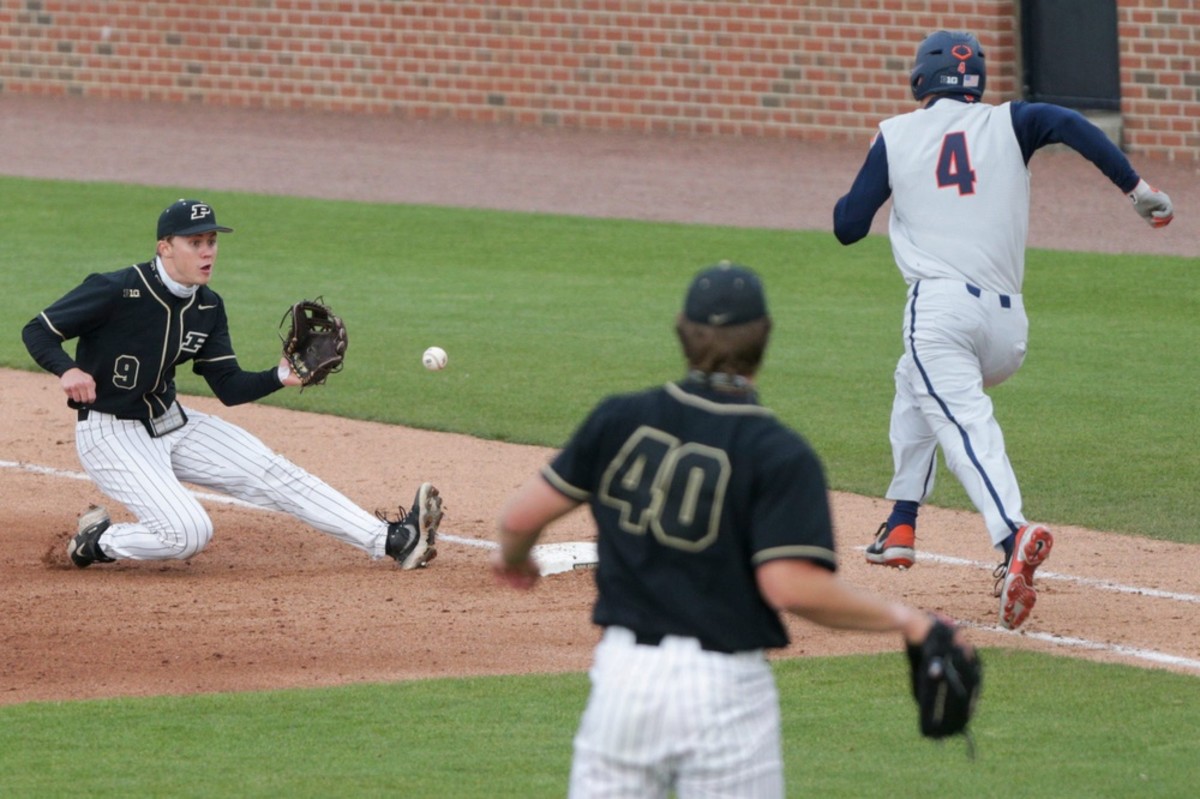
(954, 164)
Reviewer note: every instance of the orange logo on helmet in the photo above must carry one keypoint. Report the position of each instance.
(962, 52)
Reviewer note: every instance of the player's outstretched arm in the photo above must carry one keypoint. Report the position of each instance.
(817, 594)
(1039, 124)
(945, 673)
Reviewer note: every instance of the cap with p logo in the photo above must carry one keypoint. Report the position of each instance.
(187, 218)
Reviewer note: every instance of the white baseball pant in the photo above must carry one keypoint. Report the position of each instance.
(958, 339)
(676, 717)
(144, 473)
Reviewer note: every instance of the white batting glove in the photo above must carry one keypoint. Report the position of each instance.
(1152, 205)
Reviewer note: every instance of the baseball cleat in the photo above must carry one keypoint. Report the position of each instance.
(84, 548)
(410, 539)
(1014, 579)
(894, 547)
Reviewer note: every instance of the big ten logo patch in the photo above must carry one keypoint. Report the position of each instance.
(132, 293)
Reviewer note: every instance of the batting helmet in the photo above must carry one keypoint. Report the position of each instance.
(949, 62)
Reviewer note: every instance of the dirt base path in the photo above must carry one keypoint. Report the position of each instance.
(273, 604)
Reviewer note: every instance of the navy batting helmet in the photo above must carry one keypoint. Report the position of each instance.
(949, 62)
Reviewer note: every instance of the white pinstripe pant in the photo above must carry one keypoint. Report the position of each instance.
(675, 717)
(144, 474)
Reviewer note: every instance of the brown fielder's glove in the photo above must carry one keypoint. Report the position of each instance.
(946, 679)
(315, 341)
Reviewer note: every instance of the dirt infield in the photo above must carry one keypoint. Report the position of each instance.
(273, 604)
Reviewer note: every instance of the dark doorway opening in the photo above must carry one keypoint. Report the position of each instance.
(1071, 55)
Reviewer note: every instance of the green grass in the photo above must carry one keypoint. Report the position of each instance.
(474, 737)
(1046, 727)
(542, 315)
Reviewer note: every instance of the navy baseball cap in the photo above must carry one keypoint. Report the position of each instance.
(187, 218)
(725, 294)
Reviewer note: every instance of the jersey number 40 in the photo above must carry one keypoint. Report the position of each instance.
(675, 490)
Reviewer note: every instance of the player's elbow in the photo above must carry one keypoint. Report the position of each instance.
(792, 585)
(772, 585)
(846, 236)
(847, 229)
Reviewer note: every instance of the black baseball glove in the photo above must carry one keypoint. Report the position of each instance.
(946, 680)
(314, 342)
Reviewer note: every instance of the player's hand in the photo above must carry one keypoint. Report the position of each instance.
(523, 575)
(1152, 205)
(78, 385)
(916, 624)
(286, 375)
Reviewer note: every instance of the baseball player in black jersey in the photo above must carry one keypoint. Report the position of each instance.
(137, 442)
(713, 517)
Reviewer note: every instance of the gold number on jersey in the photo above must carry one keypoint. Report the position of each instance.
(674, 489)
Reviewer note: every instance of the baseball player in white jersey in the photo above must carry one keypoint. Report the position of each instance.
(956, 171)
(137, 442)
(713, 517)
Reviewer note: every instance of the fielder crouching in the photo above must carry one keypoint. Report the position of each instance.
(137, 442)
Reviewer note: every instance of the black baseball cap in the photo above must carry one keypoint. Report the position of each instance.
(187, 218)
(725, 294)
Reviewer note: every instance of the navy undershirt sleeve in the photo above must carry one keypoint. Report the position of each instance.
(1039, 124)
(854, 212)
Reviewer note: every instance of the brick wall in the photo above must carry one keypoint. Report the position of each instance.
(823, 70)
(1160, 77)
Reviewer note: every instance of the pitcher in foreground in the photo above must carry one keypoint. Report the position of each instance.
(713, 517)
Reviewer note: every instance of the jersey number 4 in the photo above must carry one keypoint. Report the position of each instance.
(954, 164)
(674, 489)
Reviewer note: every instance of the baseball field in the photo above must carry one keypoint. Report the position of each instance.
(279, 662)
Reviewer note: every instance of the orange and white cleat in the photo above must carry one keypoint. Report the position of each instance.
(1014, 579)
(893, 547)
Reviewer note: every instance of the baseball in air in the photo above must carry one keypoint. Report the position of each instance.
(434, 359)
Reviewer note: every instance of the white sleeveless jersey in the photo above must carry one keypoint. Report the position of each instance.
(960, 195)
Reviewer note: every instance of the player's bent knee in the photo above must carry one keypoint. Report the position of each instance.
(189, 540)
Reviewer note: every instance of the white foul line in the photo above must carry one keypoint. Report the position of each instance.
(1150, 655)
(574, 554)
(1082, 643)
(1103, 585)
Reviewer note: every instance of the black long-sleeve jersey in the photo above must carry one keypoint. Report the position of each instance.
(132, 333)
(692, 489)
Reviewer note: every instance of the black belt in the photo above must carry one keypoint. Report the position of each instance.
(158, 426)
(654, 639)
(975, 291)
